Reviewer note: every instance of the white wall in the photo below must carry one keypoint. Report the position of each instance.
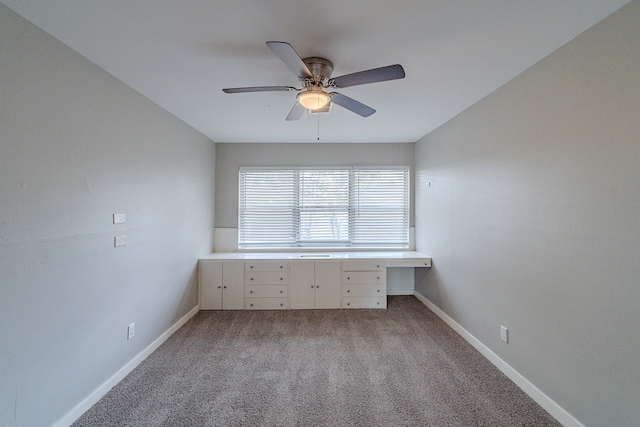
(230, 157)
(76, 145)
(533, 222)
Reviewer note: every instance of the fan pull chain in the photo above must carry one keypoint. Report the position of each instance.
(318, 126)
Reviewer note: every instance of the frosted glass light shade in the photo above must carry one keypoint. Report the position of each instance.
(313, 99)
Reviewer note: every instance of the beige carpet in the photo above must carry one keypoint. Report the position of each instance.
(397, 367)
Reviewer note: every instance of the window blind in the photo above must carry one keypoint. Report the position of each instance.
(327, 207)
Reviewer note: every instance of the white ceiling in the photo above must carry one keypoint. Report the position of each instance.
(180, 54)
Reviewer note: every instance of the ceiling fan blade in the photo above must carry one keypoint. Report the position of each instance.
(352, 105)
(258, 89)
(289, 56)
(296, 112)
(390, 72)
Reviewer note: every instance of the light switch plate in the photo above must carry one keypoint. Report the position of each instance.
(504, 334)
(119, 218)
(120, 240)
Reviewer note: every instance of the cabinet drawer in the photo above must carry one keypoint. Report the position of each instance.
(364, 302)
(417, 262)
(263, 291)
(266, 266)
(266, 304)
(266, 278)
(362, 265)
(363, 277)
(363, 290)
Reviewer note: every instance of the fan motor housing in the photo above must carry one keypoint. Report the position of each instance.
(319, 66)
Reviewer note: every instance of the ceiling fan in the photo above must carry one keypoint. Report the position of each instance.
(314, 74)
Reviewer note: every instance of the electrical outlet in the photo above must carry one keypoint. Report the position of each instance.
(131, 329)
(504, 334)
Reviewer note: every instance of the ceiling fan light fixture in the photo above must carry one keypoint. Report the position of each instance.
(313, 99)
(314, 73)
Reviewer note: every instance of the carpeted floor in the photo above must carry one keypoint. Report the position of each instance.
(397, 367)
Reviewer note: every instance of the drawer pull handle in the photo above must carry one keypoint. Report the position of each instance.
(348, 290)
(251, 279)
(317, 286)
(219, 287)
(378, 303)
(281, 292)
(378, 265)
(251, 266)
(251, 305)
(311, 286)
(348, 278)
(250, 292)
(378, 290)
(281, 267)
(282, 278)
(348, 303)
(224, 287)
(378, 277)
(281, 304)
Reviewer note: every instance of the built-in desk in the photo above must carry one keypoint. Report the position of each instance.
(299, 280)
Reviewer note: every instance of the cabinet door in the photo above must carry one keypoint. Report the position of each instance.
(301, 285)
(233, 285)
(327, 274)
(210, 285)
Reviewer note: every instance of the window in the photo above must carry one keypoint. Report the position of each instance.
(323, 207)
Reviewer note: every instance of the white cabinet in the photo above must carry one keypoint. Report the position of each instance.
(221, 285)
(303, 285)
(364, 284)
(266, 285)
(314, 284)
(327, 284)
(302, 281)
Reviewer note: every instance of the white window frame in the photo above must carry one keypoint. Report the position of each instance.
(360, 213)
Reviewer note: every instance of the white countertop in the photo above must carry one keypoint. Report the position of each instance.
(392, 258)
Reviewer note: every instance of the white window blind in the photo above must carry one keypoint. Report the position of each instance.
(330, 207)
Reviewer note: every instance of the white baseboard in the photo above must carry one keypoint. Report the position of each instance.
(556, 411)
(82, 407)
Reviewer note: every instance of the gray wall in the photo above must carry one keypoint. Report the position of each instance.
(76, 145)
(231, 156)
(533, 221)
